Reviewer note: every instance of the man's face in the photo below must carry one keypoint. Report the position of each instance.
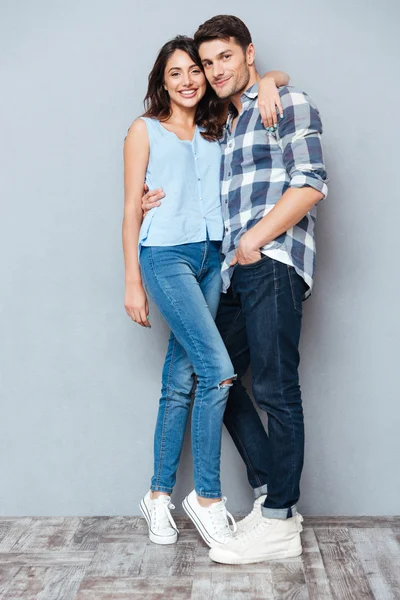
(226, 66)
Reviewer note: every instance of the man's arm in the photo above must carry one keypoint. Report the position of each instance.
(299, 136)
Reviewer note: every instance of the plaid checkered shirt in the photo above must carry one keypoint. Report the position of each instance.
(258, 166)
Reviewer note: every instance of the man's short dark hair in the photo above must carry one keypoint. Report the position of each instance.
(224, 27)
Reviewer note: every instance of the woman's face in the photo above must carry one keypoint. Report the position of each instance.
(184, 81)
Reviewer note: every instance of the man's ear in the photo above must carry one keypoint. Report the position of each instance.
(250, 54)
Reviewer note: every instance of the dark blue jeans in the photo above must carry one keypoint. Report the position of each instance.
(260, 320)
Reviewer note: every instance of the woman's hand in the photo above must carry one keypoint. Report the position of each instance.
(136, 304)
(268, 102)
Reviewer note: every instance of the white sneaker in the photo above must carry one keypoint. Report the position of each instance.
(212, 521)
(252, 518)
(162, 527)
(269, 539)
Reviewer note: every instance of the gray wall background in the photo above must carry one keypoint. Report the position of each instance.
(79, 383)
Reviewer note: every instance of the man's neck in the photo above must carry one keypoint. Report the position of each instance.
(236, 100)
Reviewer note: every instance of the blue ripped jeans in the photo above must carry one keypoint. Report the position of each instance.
(184, 282)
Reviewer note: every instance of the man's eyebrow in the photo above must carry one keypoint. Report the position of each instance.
(179, 68)
(218, 55)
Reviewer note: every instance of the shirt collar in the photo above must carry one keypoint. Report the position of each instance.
(246, 98)
(251, 92)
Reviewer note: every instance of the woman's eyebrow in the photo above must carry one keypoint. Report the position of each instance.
(179, 68)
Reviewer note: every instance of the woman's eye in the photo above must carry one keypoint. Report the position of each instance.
(173, 74)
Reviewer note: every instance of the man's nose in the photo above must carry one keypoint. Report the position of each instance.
(218, 70)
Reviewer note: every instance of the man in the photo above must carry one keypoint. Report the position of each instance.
(271, 181)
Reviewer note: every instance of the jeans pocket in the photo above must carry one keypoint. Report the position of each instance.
(254, 264)
(297, 288)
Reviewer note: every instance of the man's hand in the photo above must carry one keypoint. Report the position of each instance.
(136, 304)
(151, 199)
(246, 252)
(269, 102)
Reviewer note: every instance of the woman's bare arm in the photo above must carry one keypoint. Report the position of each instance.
(136, 156)
(279, 77)
(268, 97)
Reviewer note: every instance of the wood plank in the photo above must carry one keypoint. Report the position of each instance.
(130, 588)
(45, 583)
(166, 561)
(7, 574)
(396, 533)
(14, 532)
(345, 522)
(314, 569)
(219, 585)
(46, 558)
(47, 534)
(88, 533)
(62, 583)
(346, 575)
(288, 580)
(5, 527)
(379, 553)
(185, 536)
(117, 559)
(27, 584)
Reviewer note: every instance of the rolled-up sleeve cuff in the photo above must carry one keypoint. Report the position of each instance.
(300, 180)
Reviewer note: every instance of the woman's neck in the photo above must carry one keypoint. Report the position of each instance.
(184, 117)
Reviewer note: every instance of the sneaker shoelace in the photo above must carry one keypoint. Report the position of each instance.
(161, 515)
(262, 526)
(257, 531)
(255, 512)
(220, 518)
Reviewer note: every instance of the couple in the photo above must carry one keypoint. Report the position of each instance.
(225, 188)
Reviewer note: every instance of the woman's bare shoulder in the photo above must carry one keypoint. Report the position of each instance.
(137, 129)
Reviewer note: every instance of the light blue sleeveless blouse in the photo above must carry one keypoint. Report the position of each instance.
(189, 173)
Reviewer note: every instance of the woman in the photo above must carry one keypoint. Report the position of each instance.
(174, 254)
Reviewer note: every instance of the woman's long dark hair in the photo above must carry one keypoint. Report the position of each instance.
(157, 103)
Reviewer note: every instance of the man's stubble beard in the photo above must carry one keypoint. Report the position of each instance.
(240, 86)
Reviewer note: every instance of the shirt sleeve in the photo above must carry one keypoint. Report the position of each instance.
(299, 137)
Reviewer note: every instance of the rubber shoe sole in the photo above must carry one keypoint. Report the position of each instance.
(154, 537)
(213, 554)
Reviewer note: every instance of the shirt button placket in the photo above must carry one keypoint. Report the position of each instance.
(196, 162)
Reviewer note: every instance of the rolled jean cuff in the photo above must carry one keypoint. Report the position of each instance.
(160, 488)
(279, 513)
(208, 494)
(260, 491)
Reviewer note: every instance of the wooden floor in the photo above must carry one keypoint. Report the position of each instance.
(111, 558)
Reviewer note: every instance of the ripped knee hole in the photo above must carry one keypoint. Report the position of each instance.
(226, 383)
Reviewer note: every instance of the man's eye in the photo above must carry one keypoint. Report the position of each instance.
(227, 56)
